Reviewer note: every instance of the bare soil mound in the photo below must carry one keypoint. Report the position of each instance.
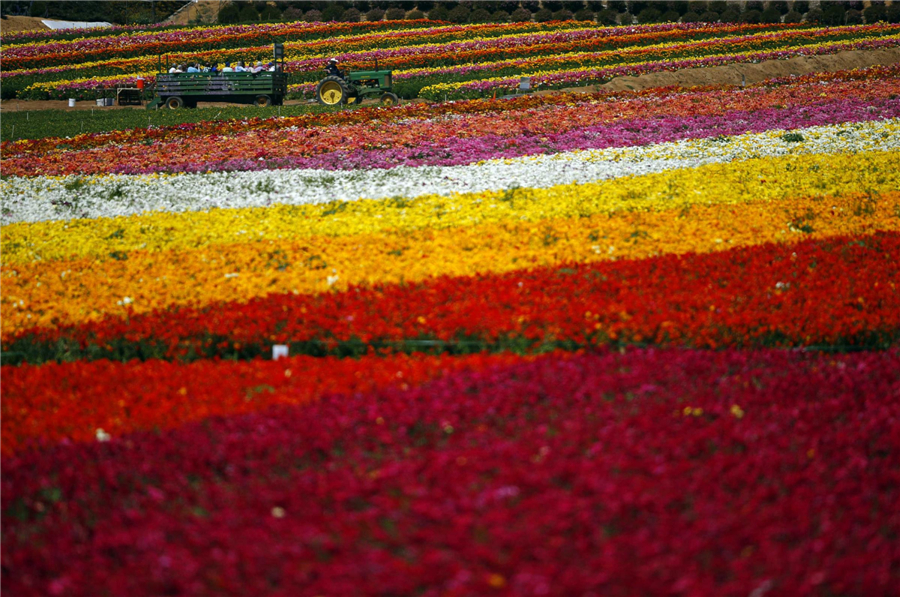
(14, 24)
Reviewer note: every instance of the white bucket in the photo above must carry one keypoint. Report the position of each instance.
(101, 102)
(71, 102)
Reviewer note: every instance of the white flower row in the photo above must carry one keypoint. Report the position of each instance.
(36, 199)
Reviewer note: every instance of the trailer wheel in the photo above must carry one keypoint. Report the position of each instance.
(263, 101)
(332, 91)
(389, 99)
(174, 102)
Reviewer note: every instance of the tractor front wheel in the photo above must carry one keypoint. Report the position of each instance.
(174, 102)
(332, 91)
(263, 101)
(389, 99)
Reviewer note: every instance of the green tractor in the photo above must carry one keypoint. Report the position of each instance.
(356, 86)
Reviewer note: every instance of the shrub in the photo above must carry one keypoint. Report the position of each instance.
(853, 17)
(439, 13)
(332, 12)
(460, 14)
(801, 6)
(311, 16)
(792, 137)
(709, 17)
(270, 13)
(649, 15)
(729, 15)
(875, 13)
(543, 15)
(814, 16)
(248, 14)
(291, 14)
(563, 15)
(415, 15)
(770, 15)
(751, 16)
(754, 5)
(501, 16)
(717, 7)
(607, 17)
(376, 14)
(229, 14)
(395, 14)
(351, 15)
(690, 17)
(892, 14)
(585, 14)
(520, 15)
(479, 15)
(780, 5)
(793, 17)
(670, 16)
(833, 14)
(626, 18)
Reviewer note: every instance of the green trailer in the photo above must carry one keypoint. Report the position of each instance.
(186, 89)
(265, 88)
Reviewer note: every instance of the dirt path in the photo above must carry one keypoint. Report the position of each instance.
(714, 75)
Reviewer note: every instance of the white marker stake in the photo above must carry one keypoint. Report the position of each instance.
(278, 351)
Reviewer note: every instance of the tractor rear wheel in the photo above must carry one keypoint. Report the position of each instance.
(263, 101)
(389, 99)
(174, 102)
(332, 91)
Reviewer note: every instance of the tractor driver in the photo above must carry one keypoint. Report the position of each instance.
(332, 70)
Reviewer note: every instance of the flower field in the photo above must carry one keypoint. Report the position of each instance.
(610, 343)
(434, 62)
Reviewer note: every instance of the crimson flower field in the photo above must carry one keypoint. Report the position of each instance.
(599, 343)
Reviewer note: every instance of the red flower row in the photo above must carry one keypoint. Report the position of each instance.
(644, 473)
(72, 401)
(833, 291)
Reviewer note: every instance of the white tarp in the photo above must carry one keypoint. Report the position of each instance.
(74, 24)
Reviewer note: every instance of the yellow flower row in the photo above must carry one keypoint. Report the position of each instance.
(765, 179)
(74, 291)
